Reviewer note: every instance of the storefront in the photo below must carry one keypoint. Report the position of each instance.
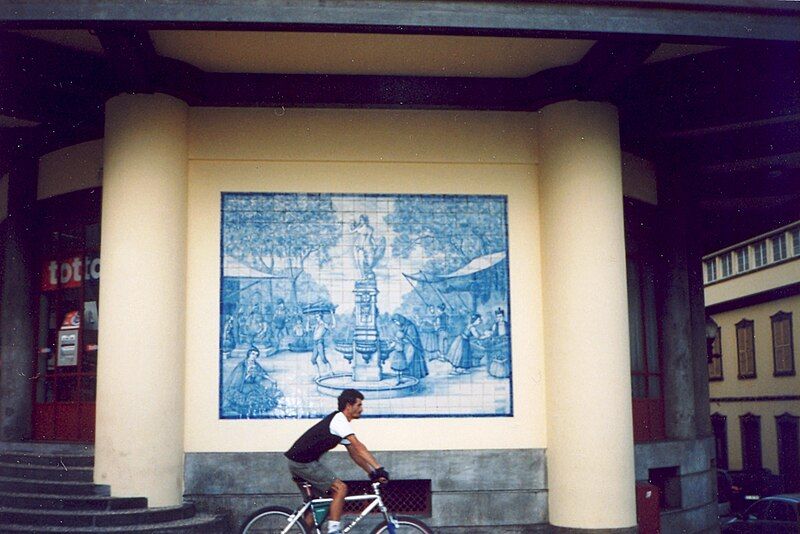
(67, 256)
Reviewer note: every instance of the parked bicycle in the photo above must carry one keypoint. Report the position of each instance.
(281, 520)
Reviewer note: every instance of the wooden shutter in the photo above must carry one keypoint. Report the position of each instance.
(782, 349)
(745, 348)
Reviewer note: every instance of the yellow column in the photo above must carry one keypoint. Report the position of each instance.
(590, 464)
(140, 406)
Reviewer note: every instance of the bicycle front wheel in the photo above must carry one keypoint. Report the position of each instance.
(404, 525)
(272, 520)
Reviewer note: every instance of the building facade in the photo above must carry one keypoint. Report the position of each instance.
(268, 228)
(752, 294)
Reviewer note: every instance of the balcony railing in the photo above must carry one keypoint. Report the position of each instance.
(754, 254)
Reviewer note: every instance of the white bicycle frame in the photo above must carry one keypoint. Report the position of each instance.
(375, 498)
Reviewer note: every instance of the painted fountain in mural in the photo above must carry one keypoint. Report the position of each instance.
(366, 351)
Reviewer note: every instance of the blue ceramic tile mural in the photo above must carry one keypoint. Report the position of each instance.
(403, 297)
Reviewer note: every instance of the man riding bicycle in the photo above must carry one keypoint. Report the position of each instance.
(334, 429)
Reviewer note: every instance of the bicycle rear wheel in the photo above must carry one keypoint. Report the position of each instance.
(404, 525)
(272, 520)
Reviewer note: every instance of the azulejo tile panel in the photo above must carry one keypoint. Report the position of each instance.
(403, 297)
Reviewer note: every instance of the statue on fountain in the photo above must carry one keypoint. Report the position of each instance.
(367, 252)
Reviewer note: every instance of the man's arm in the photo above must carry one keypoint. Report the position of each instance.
(361, 455)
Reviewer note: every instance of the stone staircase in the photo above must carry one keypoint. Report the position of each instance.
(47, 487)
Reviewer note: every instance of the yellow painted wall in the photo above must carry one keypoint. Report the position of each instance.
(772, 277)
(71, 169)
(765, 383)
(364, 152)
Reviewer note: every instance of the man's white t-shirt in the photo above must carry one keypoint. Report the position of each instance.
(340, 426)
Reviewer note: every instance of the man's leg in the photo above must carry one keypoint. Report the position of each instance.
(338, 492)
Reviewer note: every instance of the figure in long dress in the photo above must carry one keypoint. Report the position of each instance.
(249, 390)
(460, 352)
(428, 334)
(407, 353)
(500, 364)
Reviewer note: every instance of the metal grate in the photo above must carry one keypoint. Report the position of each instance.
(400, 496)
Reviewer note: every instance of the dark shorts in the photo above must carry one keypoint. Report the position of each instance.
(317, 473)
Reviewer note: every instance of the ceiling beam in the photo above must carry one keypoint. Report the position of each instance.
(607, 65)
(411, 92)
(678, 20)
(132, 57)
(724, 87)
(766, 143)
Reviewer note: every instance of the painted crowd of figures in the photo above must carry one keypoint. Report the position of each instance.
(406, 350)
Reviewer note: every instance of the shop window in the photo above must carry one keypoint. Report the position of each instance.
(668, 481)
(750, 426)
(742, 260)
(66, 357)
(646, 372)
(779, 247)
(782, 344)
(719, 423)
(760, 253)
(711, 270)
(745, 348)
(715, 364)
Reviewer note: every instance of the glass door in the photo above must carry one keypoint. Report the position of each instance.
(66, 359)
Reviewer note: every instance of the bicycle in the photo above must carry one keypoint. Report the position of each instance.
(281, 520)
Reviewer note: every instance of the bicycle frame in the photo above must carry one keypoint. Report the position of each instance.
(375, 497)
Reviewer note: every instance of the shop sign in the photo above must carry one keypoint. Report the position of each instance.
(69, 272)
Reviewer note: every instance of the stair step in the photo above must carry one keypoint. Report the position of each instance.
(94, 518)
(47, 447)
(21, 485)
(199, 524)
(39, 501)
(53, 460)
(46, 473)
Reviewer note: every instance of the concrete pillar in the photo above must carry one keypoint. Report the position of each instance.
(702, 407)
(590, 463)
(140, 373)
(677, 351)
(18, 316)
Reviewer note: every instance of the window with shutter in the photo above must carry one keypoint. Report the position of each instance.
(745, 347)
(782, 344)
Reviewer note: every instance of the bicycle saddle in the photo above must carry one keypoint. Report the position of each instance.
(306, 488)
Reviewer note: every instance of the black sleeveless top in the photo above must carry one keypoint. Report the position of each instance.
(315, 442)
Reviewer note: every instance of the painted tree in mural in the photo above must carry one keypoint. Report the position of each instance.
(279, 234)
(452, 231)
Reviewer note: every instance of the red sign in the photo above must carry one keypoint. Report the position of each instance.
(70, 272)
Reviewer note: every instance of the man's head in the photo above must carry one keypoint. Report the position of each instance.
(350, 403)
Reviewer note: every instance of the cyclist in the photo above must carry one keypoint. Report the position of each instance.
(334, 429)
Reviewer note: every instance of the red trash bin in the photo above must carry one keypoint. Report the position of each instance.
(648, 508)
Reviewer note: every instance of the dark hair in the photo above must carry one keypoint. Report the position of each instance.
(349, 396)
